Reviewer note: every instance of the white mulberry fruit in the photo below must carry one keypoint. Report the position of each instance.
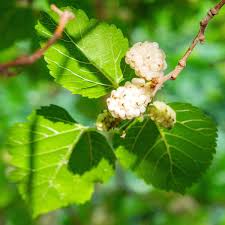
(147, 59)
(163, 114)
(130, 101)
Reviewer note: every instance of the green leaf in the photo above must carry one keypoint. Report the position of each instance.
(41, 149)
(89, 151)
(55, 114)
(170, 159)
(16, 23)
(86, 60)
(5, 187)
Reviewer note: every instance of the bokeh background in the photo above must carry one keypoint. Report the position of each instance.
(125, 200)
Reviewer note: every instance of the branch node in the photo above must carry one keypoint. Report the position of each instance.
(212, 12)
(182, 63)
(173, 77)
(154, 82)
(201, 38)
(67, 14)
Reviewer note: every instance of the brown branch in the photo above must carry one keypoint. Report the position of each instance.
(99, 8)
(200, 38)
(65, 17)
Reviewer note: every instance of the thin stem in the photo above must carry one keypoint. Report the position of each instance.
(200, 38)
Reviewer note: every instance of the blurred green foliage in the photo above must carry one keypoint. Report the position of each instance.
(125, 200)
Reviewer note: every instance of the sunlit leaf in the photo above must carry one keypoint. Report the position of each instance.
(41, 149)
(87, 59)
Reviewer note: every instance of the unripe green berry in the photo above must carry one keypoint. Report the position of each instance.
(105, 121)
(163, 114)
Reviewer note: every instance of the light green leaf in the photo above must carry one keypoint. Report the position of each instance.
(170, 159)
(40, 150)
(87, 59)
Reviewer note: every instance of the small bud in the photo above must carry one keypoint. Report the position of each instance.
(123, 135)
(163, 114)
(105, 121)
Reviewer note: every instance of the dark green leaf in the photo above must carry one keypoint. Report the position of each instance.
(55, 114)
(16, 23)
(170, 159)
(89, 151)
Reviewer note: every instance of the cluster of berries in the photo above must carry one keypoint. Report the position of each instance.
(132, 99)
(147, 59)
